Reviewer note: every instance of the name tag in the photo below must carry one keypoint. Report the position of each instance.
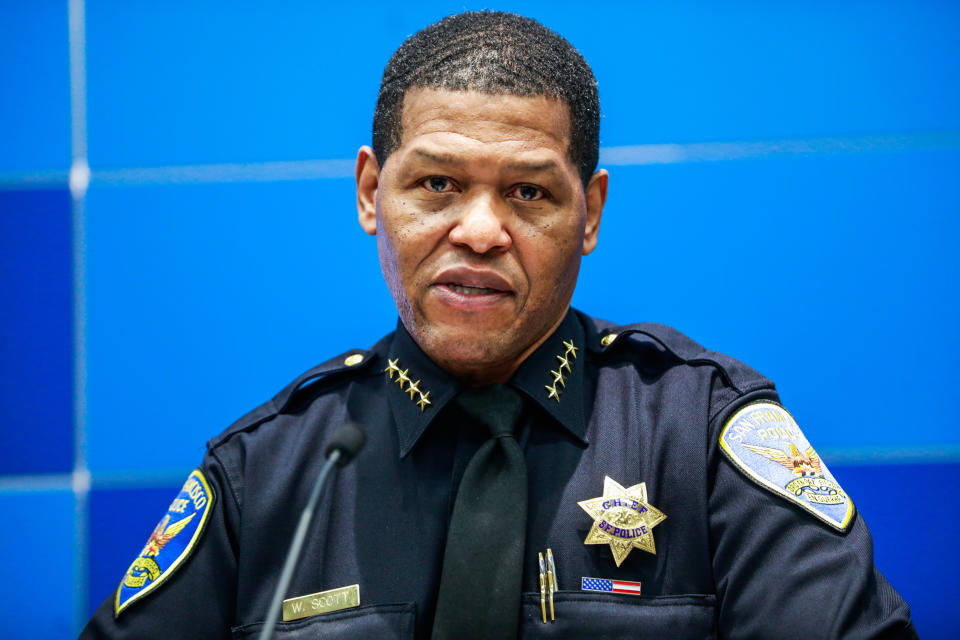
(323, 602)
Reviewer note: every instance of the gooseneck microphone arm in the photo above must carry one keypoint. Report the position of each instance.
(344, 445)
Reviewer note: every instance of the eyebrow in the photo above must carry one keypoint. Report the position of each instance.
(439, 158)
(444, 158)
(545, 165)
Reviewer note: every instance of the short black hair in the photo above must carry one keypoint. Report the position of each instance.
(496, 53)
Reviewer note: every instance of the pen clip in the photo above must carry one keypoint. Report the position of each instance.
(543, 589)
(551, 580)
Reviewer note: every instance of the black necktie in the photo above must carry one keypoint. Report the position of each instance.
(483, 561)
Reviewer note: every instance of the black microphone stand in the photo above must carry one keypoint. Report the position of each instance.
(344, 444)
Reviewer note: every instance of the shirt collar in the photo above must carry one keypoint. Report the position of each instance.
(418, 388)
(552, 377)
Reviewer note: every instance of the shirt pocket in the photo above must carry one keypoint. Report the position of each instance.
(581, 615)
(371, 621)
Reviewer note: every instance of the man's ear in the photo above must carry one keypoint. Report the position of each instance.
(596, 196)
(368, 180)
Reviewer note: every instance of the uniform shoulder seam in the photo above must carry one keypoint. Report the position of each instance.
(741, 378)
(347, 363)
(228, 478)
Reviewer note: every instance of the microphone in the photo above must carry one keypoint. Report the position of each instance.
(347, 440)
(343, 446)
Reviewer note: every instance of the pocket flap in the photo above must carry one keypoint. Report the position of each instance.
(590, 616)
(371, 621)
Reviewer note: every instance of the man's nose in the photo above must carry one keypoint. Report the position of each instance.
(481, 225)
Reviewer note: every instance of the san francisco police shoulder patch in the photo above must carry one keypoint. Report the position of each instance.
(763, 440)
(170, 543)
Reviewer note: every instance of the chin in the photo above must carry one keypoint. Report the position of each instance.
(465, 347)
(467, 344)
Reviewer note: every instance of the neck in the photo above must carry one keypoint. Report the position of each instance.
(481, 374)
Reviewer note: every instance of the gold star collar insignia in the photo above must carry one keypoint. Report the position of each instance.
(392, 368)
(420, 396)
(559, 382)
(623, 519)
(424, 400)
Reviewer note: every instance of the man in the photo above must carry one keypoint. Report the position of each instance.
(529, 470)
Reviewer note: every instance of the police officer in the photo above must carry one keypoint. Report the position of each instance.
(529, 471)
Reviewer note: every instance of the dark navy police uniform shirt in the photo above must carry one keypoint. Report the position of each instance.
(637, 404)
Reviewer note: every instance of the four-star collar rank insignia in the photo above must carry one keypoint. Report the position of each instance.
(623, 519)
(418, 395)
(558, 379)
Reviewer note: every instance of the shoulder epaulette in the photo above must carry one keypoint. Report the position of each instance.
(742, 378)
(331, 370)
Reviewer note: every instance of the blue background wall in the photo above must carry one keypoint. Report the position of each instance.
(784, 188)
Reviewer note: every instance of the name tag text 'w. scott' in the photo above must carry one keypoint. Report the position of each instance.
(322, 602)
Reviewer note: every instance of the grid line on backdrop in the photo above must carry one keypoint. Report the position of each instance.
(79, 179)
(625, 155)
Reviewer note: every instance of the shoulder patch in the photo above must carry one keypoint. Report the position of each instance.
(170, 543)
(763, 440)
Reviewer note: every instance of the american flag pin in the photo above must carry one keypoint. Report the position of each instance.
(610, 586)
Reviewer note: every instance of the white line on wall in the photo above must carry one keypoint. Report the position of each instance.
(78, 181)
(645, 154)
(629, 155)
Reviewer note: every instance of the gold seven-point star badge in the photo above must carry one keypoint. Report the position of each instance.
(623, 519)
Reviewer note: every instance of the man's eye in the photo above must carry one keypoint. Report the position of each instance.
(527, 192)
(438, 184)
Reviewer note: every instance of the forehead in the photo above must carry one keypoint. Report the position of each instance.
(471, 120)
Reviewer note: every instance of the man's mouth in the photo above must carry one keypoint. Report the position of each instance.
(471, 290)
(469, 281)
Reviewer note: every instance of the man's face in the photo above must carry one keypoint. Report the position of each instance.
(481, 220)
